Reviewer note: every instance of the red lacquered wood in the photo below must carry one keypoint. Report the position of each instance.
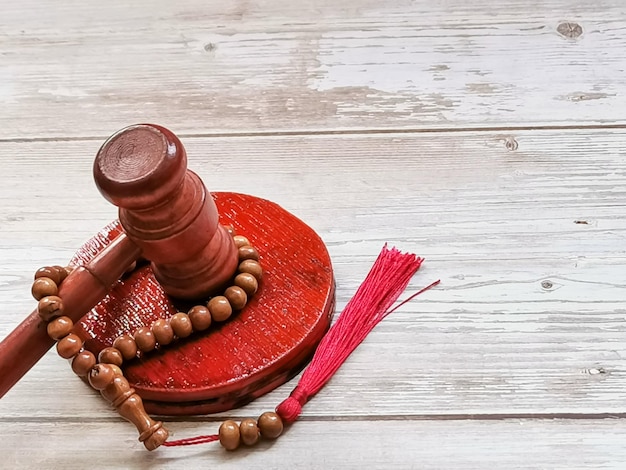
(166, 210)
(256, 350)
(80, 291)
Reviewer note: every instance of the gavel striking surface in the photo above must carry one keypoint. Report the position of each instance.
(257, 349)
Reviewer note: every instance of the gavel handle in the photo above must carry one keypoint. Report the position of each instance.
(80, 291)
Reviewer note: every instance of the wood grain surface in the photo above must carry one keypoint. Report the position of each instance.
(553, 444)
(487, 137)
(85, 69)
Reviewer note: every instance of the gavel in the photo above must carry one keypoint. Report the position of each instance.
(169, 218)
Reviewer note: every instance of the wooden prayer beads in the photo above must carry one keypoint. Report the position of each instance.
(220, 308)
(231, 435)
(240, 241)
(247, 282)
(253, 267)
(51, 273)
(248, 252)
(163, 331)
(181, 325)
(47, 280)
(50, 307)
(43, 287)
(111, 355)
(69, 346)
(126, 345)
(237, 297)
(60, 327)
(145, 340)
(271, 425)
(249, 431)
(200, 317)
(83, 362)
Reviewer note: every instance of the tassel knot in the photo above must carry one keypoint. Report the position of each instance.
(291, 408)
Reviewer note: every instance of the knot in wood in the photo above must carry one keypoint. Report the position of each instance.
(569, 30)
(511, 144)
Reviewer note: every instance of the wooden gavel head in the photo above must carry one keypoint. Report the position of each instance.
(166, 210)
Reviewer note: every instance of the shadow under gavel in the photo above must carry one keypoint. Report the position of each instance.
(169, 218)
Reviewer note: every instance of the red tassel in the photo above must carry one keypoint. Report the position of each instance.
(389, 276)
(371, 303)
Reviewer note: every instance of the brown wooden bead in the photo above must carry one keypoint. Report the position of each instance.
(229, 435)
(69, 346)
(43, 287)
(101, 375)
(247, 282)
(144, 338)
(116, 370)
(63, 271)
(50, 307)
(181, 324)
(270, 425)
(252, 267)
(60, 328)
(220, 308)
(163, 331)
(249, 431)
(50, 272)
(83, 362)
(240, 241)
(126, 345)
(248, 252)
(236, 296)
(200, 317)
(111, 356)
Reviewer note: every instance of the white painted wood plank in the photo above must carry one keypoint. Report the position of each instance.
(87, 68)
(511, 444)
(492, 223)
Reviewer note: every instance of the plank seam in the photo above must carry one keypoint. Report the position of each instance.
(347, 132)
(351, 418)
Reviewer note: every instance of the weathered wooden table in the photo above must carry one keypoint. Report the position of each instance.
(486, 136)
